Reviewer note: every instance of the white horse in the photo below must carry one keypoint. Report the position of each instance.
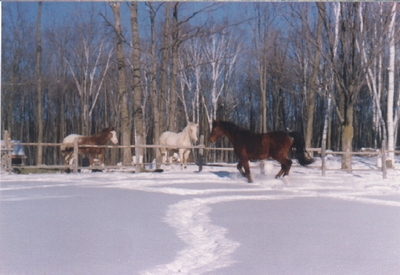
(184, 138)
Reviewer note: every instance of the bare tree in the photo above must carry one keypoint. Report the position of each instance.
(58, 40)
(18, 57)
(173, 99)
(381, 22)
(261, 35)
(137, 85)
(391, 117)
(374, 75)
(178, 36)
(221, 54)
(88, 63)
(306, 37)
(154, 92)
(122, 85)
(190, 72)
(329, 85)
(164, 66)
(314, 81)
(39, 86)
(348, 73)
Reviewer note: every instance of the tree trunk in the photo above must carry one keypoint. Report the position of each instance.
(390, 96)
(173, 98)
(39, 88)
(347, 138)
(314, 84)
(163, 69)
(154, 91)
(137, 85)
(122, 88)
(10, 105)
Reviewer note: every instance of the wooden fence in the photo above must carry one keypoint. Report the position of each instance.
(202, 151)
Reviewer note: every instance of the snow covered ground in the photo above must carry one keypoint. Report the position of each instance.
(212, 222)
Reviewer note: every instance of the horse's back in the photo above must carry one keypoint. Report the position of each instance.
(164, 137)
(254, 145)
(170, 138)
(279, 142)
(264, 145)
(278, 137)
(69, 139)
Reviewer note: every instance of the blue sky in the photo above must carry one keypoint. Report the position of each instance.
(57, 12)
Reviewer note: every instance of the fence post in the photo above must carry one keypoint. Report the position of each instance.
(384, 167)
(323, 157)
(8, 151)
(75, 157)
(137, 163)
(200, 160)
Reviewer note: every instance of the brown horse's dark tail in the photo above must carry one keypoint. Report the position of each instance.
(299, 144)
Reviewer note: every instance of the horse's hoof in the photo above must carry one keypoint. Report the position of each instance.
(286, 179)
(158, 171)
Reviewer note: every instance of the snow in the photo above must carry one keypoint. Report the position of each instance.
(209, 222)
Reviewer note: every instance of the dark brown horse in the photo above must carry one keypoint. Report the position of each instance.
(101, 138)
(251, 146)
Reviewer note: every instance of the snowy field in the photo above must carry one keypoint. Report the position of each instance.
(212, 222)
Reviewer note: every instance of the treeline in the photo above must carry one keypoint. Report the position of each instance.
(325, 69)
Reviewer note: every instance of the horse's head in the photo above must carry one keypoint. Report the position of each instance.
(216, 132)
(193, 130)
(113, 136)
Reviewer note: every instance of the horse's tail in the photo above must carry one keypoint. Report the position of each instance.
(301, 153)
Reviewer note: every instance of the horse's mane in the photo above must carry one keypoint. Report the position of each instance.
(104, 131)
(229, 126)
(187, 127)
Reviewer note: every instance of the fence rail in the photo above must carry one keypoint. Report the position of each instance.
(6, 151)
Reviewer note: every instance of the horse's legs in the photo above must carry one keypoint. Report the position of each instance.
(280, 172)
(288, 167)
(91, 161)
(163, 156)
(67, 158)
(246, 173)
(186, 157)
(181, 154)
(239, 167)
(100, 157)
(170, 160)
(285, 167)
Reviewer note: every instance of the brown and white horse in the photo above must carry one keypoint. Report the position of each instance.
(101, 138)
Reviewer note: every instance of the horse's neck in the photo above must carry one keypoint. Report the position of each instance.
(184, 137)
(99, 139)
(231, 131)
(230, 135)
(103, 139)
